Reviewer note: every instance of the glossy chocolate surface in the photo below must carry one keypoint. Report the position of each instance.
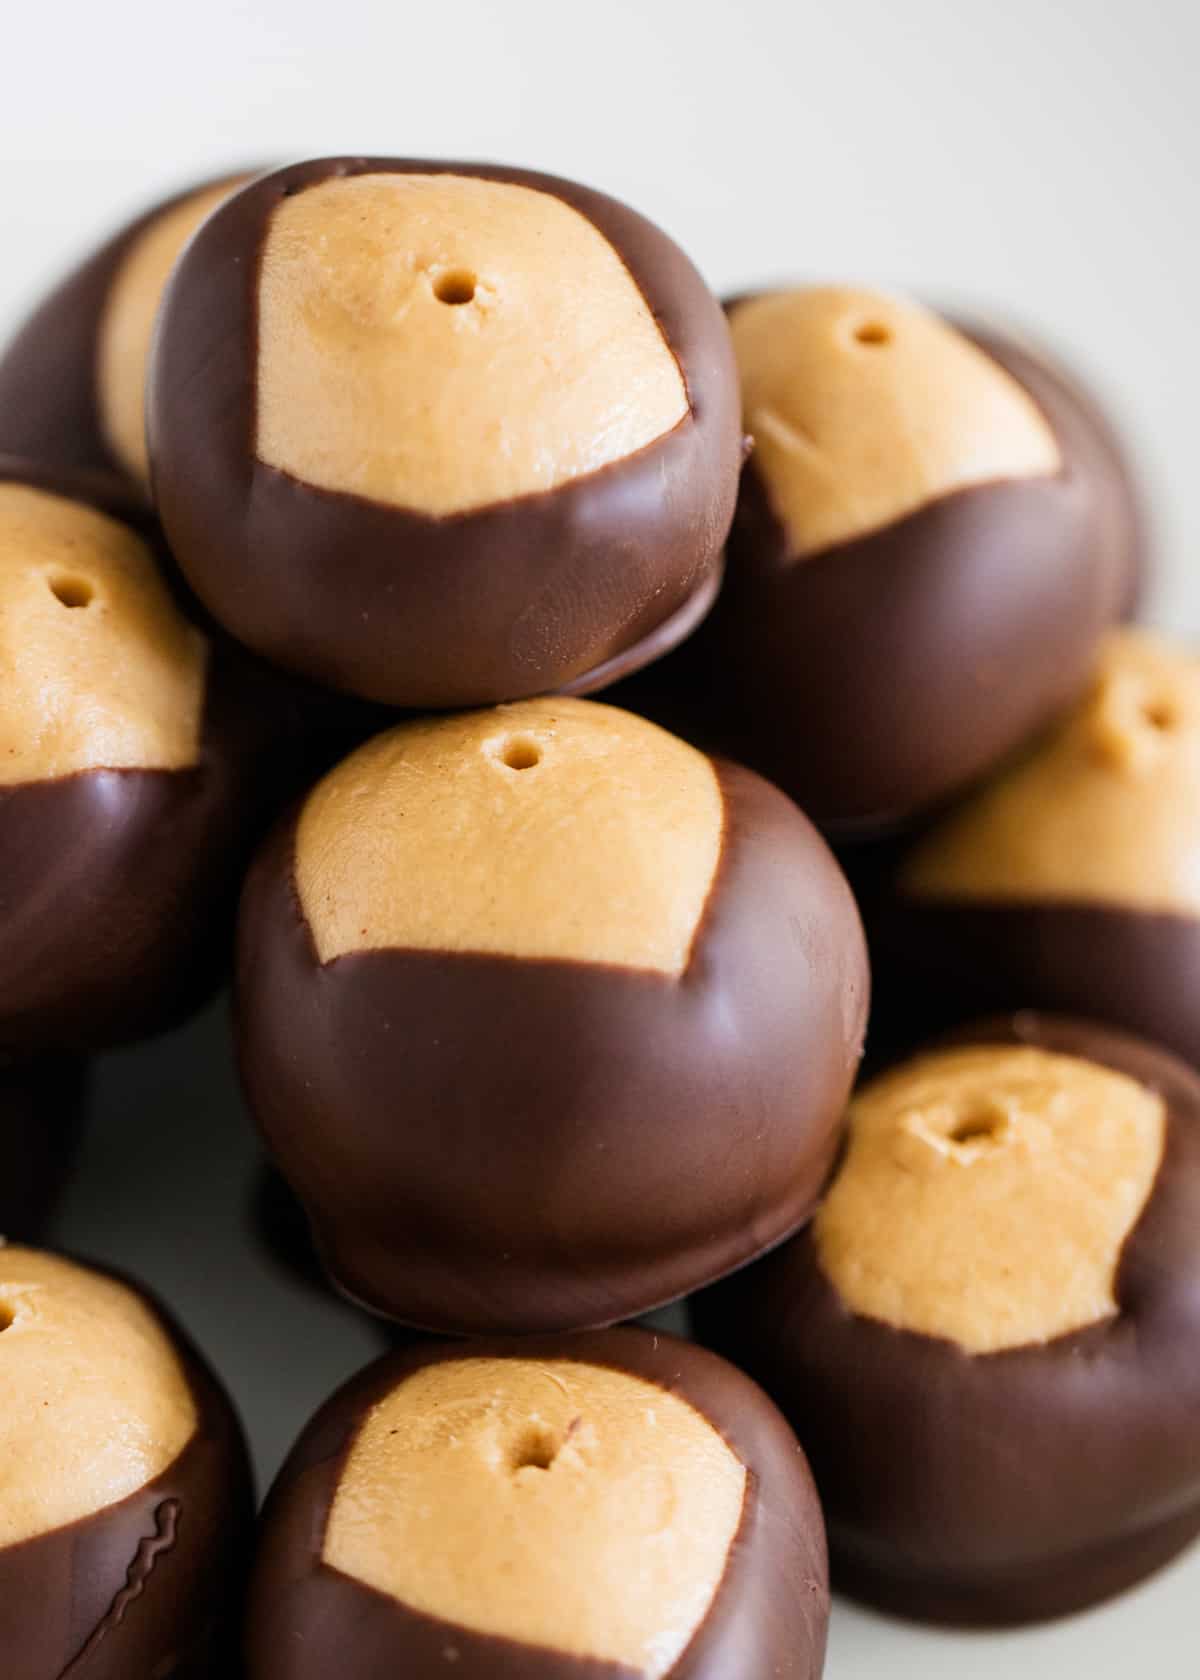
(1092, 445)
(150, 1586)
(540, 593)
(877, 677)
(943, 961)
(490, 1143)
(1012, 1486)
(117, 887)
(769, 1615)
(48, 402)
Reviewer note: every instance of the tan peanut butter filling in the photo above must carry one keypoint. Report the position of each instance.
(98, 668)
(865, 407)
(127, 322)
(440, 343)
(548, 828)
(987, 1193)
(559, 1504)
(1105, 808)
(95, 1401)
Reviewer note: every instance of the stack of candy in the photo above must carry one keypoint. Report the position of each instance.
(327, 496)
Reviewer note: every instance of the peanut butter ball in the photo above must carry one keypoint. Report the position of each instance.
(989, 1337)
(1072, 880)
(546, 1016)
(934, 530)
(469, 434)
(612, 1503)
(127, 1504)
(129, 787)
(72, 380)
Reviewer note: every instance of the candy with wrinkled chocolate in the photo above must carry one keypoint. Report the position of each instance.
(127, 1509)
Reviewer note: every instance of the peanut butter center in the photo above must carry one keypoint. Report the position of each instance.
(549, 828)
(559, 1504)
(1105, 809)
(865, 407)
(95, 1401)
(99, 670)
(127, 323)
(440, 342)
(987, 1193)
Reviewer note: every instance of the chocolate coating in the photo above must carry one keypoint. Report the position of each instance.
(521, 597)
(875, 678)
(485, 1142)
(943, 962)
(769, 1615)
(151, 1585)
(41, 1114)
(1092, 444)
(1011, 1486)
(49, 408)
(117, 887)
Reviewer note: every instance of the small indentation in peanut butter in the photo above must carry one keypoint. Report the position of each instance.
(960, 1134)
(1128, 722)
(1160, 715)
(71, 591)
(520, 752)
(536, 1447)
(455, 286)
(873, 333)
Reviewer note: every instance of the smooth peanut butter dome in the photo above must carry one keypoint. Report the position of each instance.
(1104, 810)
(99, 669)
(865, 408)
(987, 1194)
(96, 1403)
(560, 1504)
(127, 322)
(549, 828)
(442, 342)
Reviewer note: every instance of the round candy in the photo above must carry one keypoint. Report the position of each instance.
(546, 1017)
(614, 1503)
(1071, 881)
(127, 1505)
(440, 434)
(933, 532)
(72, 381)
(989, 1337)
(126, 765)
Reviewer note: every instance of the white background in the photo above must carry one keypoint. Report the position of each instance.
(1033, 157)
(1037, 157)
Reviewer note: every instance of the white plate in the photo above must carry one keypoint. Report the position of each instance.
(163, 1191)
